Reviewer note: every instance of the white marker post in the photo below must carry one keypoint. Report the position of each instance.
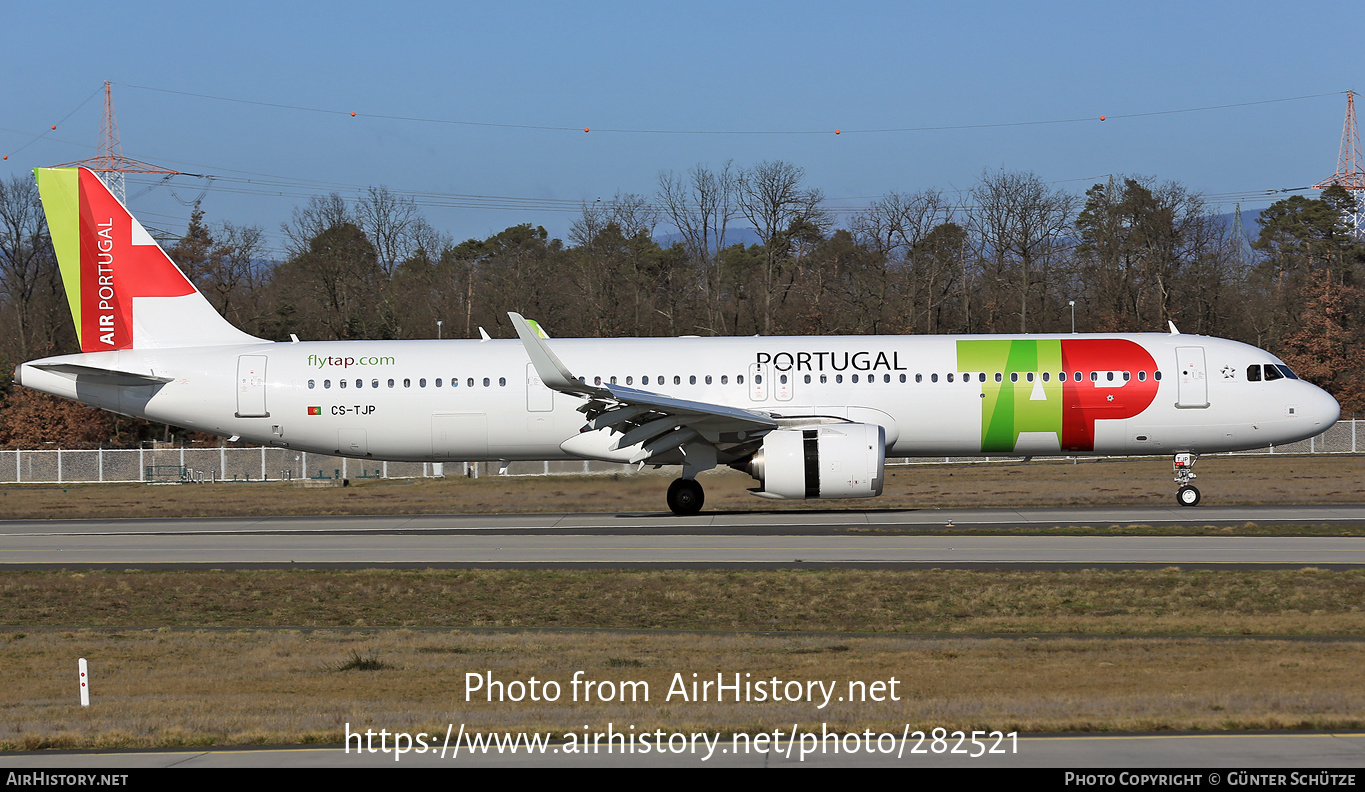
(85, 683)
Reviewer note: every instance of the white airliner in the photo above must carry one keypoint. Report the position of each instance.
(808, 417)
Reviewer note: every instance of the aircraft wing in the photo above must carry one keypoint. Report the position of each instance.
(648, 424)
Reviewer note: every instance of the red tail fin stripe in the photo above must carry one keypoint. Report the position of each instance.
(119, 261)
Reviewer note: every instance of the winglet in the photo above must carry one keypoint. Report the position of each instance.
(552, 372)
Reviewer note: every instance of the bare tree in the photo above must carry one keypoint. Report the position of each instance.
(771, 197)
(1021, 226)
(701, 205)
(632, 213)
(392, 224)
(320, 214)
(27, 263)
(233, 275)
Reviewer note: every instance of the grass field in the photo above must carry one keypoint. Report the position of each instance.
(218, 657)
(1318, 478)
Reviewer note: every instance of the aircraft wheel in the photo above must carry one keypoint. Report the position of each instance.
(685, 497)
(1187, 495)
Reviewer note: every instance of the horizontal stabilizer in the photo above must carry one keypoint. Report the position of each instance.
(103, 376)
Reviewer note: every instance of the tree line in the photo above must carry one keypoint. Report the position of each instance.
(1012, 255)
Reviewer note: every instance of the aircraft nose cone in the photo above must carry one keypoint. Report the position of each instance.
(1323, 409)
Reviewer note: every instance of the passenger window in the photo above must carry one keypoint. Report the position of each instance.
(919, 378)
(1156, 375)
(758, 379)
(999, 377)
(739, 379)
(783, 379)
(468, 383)
(341, 383)
(725, 379)
(1142, 376)
(902, 378)
(807, 379)
(1094, 376)
(613, 380)
(855, 377)
(838, 378)
(933, 378)
(1078, 376)
(1045, 375)
(486, 383)
(375, 383)
(390, 383)
(438, 382)
(678, 380)
(326, 383)
(422, 383)
(311, 383)
(1109, 376)
(887, 377)
(407, 383)
(502, 382)
(708, 379)
(630, 380)
(1127, 376)
(824, 378)
(692, 380)
(1014, 376)
(979, 377)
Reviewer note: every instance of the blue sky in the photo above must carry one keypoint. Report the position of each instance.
(791, 71)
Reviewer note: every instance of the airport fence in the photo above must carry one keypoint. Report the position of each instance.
(186, 465)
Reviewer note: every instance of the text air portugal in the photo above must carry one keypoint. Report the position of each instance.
(120, 270)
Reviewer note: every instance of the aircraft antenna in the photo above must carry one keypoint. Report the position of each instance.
(109, 163)
(1350, 173)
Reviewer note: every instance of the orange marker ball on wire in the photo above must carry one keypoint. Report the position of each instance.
(353, 115)
(836, 131)
(585, 129)
(1101, 118)
(54, 126)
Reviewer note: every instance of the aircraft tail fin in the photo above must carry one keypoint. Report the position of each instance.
(123, 290)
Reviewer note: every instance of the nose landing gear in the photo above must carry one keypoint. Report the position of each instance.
(1187, 494)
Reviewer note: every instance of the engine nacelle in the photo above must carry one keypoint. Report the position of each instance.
(841, 460)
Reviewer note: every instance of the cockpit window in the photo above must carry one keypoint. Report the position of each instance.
(1254, 373)
(1286, 371)
(1272, 372)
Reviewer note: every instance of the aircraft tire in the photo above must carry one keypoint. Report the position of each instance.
(685, 497)
(1187, 496)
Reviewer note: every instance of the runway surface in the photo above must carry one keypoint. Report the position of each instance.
(1235, 753)
(934, 537)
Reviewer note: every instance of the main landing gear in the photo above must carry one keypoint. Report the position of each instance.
(1187, 494)
(685, 497)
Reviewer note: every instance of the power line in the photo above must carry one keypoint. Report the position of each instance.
(646, 131)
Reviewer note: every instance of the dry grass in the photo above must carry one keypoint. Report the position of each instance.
(1306, 602)
(154, 686)
(1223, 480)
(158, 688)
